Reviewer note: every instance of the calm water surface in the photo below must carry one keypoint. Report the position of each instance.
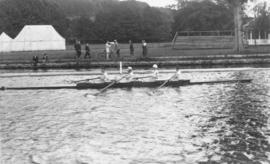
(224, 123)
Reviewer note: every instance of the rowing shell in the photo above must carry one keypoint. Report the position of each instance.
(136, 84)
(152, 84)
(139, 84)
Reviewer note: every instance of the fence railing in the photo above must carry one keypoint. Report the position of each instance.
(205, 33)
(255, 34)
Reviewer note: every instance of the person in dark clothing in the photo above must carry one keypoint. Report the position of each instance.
(87, 51)
(131, 47)
(35, 60)
(144, 48)
(78, 49)
(45, 58)
(117, 48)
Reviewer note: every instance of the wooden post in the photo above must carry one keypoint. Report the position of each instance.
(120, 67)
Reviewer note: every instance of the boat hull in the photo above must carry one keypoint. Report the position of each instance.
(139, 84)
(136, 84)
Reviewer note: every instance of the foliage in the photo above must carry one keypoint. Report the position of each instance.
(14, 14)
(89, 20)
(262, 19)
(96, 21)
(205, 15)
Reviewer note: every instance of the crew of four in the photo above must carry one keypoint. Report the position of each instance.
(130, 74)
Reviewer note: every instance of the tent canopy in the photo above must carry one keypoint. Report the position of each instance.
(39, 33)
(5, 38)
(38, 37)
(5, 43)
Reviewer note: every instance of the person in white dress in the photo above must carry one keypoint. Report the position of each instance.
(108, 49)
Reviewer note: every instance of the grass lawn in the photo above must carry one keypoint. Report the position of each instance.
(98, 53)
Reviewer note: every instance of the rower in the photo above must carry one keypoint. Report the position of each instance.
(104, 77)
(130, 75)
(178, 74)
(155, 71)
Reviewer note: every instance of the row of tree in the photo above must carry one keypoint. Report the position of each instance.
(96, 21)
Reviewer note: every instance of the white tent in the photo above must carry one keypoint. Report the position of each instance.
(38, 37)
(5, 43)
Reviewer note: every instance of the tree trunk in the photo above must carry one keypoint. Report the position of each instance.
(238, 27)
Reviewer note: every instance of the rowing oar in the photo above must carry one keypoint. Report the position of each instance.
(165, 82)
(108, 86)
(72, 81)
(111, 84)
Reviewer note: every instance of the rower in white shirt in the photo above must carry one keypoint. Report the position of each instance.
(130, 75)
(104, 77)
(178, 74)
(155, 72)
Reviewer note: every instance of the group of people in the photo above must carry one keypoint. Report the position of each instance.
(35, 59)
(78, 49)
(130, 74)
(114, 48)
(111, 48)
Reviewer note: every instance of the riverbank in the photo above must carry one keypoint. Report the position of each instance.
(181, 61)
(157, 54)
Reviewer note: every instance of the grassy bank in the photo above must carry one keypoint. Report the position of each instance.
(160, 53)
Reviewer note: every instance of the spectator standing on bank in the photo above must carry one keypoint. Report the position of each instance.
(131, 47)
(108, 49)
(117, 48)
(144, 48)
(44, 58)
(78, 48)
(35, 60)
(87, 51)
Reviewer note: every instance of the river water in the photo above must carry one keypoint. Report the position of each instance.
(222, 123)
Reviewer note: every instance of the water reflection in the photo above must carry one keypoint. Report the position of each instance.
(243, 138)
(245, 141)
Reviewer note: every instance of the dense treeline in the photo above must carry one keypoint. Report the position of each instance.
(203, 16)
(124, 21)
(14, 14)
(89, 20)
(96, 21)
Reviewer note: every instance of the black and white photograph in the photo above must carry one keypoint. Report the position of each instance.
(135, 81)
